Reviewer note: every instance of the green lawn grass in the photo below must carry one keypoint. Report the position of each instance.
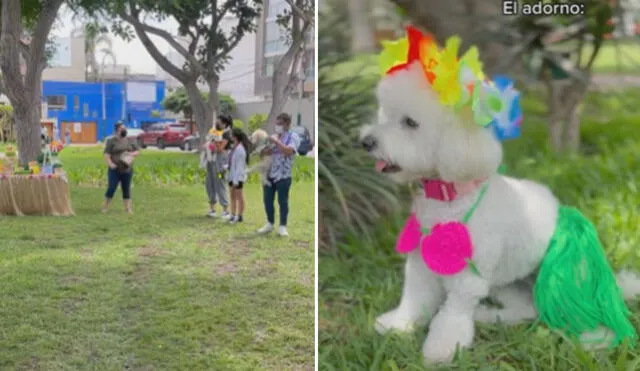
(360, 280)
(163, 289)
(621, 57)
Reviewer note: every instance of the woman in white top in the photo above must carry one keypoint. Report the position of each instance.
(238, 161)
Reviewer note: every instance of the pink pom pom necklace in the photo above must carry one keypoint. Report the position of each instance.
(446, 248)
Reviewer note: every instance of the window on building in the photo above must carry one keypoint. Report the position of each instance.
(309, 38)
(76, 103)
(274, 40)
(276, 7)
(309, 65)
(268, 67)
(85, 110)
(56, 102)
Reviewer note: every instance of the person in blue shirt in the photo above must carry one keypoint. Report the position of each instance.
(285, 145)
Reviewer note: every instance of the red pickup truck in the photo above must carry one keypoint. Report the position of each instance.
(164, 135)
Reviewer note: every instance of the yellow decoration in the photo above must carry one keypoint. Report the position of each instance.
(34, 168)
(459, 82)
(394, 53)
(447, 73)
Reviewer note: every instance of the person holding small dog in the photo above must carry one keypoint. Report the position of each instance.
(238, 161)
(217, 162)
(119, 153)
(285, 143)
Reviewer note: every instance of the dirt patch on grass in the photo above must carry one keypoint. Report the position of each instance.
(150, 251)
(303, 244)
(307, 279)
(70, 280)
(86, 253)
(265, 267)
(71, 306)
(225, 269)
(30, 364)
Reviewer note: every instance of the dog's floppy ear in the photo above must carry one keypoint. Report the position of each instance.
(467, 152)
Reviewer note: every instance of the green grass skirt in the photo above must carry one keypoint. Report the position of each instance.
(576, 289)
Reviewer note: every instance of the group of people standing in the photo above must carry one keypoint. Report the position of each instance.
(226, 158)
(225, 155)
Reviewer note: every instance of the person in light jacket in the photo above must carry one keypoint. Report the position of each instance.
(238, 161)
(216, 162)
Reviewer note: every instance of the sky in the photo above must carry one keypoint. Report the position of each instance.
(133, 53)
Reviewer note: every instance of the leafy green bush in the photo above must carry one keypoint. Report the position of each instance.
(237, 123)
(256, 121)
(85, 167)
(353, 195)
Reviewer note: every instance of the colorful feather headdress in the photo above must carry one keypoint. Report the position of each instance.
(459, 82)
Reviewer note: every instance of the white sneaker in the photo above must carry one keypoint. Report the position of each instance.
(268, 228)
(282, 231)
(226, 216)
(233, 219)
(212, 214)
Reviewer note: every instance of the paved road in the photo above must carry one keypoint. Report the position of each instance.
(615, 82)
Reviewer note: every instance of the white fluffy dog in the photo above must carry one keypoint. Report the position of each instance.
(260, 141)
(418, 138)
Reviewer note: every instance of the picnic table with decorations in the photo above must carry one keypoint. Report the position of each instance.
(41, 188)
(35, 194)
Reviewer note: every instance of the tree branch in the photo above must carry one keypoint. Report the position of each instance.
(214, 25)
(143, 28)
(194, 42)
(37, 60)
(300, 12)
(596, 48)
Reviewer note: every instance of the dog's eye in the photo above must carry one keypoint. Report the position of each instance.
(409, 122)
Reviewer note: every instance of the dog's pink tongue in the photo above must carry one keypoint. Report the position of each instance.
(380, 165)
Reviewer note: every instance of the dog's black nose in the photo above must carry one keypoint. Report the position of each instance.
(369, 143)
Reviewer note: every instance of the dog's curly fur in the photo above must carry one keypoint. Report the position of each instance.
(260, 141)
(511, 228)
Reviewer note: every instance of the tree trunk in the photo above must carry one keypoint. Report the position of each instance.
(556, 124)
(24, 91)
(362, 38)
(285, 76)
(284, 80)
(201, 112)
(573, 128)
(27, 119)
(565, 98)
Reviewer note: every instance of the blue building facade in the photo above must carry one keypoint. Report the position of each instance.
(90, 110)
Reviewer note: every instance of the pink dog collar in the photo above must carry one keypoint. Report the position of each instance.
(440, 190)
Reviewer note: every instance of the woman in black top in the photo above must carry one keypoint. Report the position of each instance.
(119, 152)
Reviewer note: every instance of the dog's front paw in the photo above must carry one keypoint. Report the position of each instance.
(394, 321)
(446, 334)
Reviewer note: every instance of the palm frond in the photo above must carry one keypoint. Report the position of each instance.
(352, 196)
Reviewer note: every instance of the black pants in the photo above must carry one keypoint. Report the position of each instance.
(115, 177)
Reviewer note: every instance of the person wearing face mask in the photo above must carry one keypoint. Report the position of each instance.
(216, 164)
(119, 153)
(285, 144)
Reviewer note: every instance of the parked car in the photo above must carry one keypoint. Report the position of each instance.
(164, 135)
(306, 144)
(133, 133)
